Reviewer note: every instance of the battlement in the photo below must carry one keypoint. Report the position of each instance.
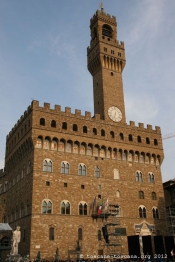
(19, 122)
(109, 18)
(57, 109)
(149, 127)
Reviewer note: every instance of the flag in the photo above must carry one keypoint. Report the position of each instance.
(101, 202)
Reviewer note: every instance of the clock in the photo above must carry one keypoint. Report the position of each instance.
(115, 114)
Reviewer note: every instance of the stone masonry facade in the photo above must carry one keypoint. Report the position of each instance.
(60, 165)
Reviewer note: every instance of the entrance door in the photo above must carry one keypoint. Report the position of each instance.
(147, 245)
(134, 246)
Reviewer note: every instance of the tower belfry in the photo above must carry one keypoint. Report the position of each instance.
(106, 61)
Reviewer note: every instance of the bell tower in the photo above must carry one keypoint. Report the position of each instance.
(106, 61)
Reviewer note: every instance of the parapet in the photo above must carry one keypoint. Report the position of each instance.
(103, 15)
(149, 127)
(20, 121)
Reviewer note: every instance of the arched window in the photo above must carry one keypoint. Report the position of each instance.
(97, 172)
(107, 30)
(65, 208)
(151, 178)
(47, 165)
(22, 210)
(155, 213)
(94, 131)
(80, 234)
(116, 174)
(75, 127)
(139, 176)
(142, 212)
(102, 132)
(42, 122)
(23, 171)
(46, 206)
(141, 194)
(112, 134)
(17, 213)
(139, 140)
(130, 137)
(155, 142)
(65, 167)
(83, 209)
(51, 233)
(29, 169)
(147, 140)
(121, 136)
(118, 194)
(64, 125)
(53, 123)
(81, 170)
(153, 195)
(27, 208)
(84, 129)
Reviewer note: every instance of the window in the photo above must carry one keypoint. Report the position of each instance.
(81, 170)
(47, 183)
(151, 178)
(75, 127)
(130, 137)
(153, 195)
(139, 177)
(141, 194)
(118, 194)
(105, 49)
(51, 233)
(29, 169)
(121, 136)
(84, 129)
(102, 132)
(99, 235)
(65, 184)
(116, 174)
(139, 140)
(65, 208)
(107, 31)
(53, 123)
(94, 131)
(97, 172)
(46, 207)
(112, 52)
(65, 167)
(64, 125)
(80, 234)
(147, 140)
(155, 213)
(42, 122)
(47, 165)
(155, 142)
(112, 134)
(82, 187)
(22, 210)
(83, 209)
(142, 212)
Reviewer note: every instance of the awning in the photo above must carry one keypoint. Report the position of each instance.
(4, 227)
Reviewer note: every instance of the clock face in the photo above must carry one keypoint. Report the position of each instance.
(115, 114)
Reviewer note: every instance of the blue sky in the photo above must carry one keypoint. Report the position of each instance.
(43, 57)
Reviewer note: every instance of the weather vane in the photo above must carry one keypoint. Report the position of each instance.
(101, 5)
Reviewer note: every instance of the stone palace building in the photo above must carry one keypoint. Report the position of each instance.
(88, 185)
